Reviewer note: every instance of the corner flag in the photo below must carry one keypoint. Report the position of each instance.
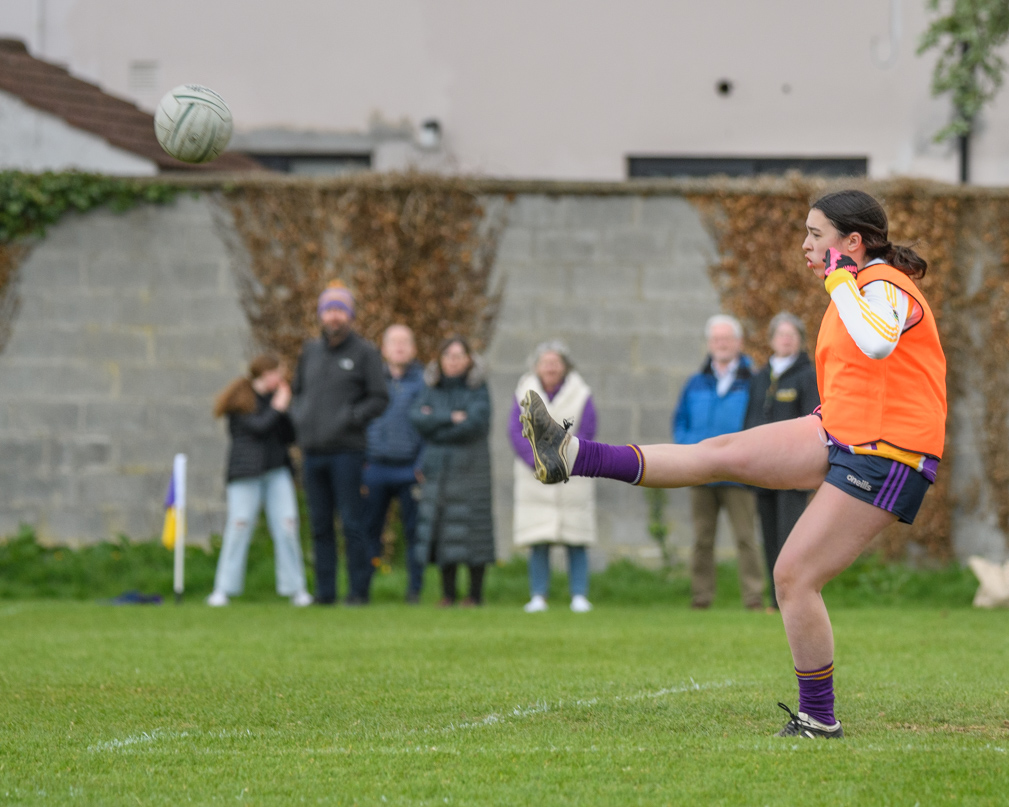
(173, 534)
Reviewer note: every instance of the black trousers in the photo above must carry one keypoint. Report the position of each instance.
(448, 580)
(779, 510)
(333, 486)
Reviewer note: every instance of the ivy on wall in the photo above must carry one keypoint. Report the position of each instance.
(31, 202)
(414, 249)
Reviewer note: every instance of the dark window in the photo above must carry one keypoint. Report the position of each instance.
(319, 164)
(745, 166)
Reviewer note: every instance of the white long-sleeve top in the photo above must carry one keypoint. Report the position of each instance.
(876, 315)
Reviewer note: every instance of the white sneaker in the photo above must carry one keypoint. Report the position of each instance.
(580, 605)
(217, 600)
(535, 605)
(301, 599)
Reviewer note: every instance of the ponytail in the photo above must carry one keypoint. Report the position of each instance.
(907, 261)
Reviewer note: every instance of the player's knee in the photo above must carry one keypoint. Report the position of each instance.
(785, 577)
(717, 455)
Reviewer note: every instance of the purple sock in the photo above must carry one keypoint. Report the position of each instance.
(816, 693)
(624, 463)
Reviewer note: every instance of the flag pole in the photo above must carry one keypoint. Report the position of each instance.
(179, 478)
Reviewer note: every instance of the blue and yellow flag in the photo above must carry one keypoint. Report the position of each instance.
(171, 516)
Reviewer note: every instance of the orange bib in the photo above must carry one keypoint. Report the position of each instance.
(900, 400)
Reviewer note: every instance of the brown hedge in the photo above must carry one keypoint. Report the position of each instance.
(417, 250)
(762, 271)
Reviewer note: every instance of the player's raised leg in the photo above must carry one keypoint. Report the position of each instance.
(789, 455)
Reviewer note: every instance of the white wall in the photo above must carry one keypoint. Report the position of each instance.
(545, 88)
(31, 140)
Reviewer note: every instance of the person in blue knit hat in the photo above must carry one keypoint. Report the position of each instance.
(339, 388)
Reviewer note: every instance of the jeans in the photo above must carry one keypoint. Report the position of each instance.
(539, 570)
(275, 491)
(333, 486)
(381, 484)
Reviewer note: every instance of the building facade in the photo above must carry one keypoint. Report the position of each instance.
(558, 89)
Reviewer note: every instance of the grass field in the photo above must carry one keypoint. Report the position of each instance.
(261, 703)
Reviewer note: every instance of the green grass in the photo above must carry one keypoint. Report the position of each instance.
(261, 703)
(640, 702)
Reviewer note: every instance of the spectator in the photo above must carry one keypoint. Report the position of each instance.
(259, 474)
(393, 455)
(784, 389)
(558, 514)
(339, 388)
(455, 523)
(713, 402)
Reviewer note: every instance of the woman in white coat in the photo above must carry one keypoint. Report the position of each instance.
(554, 514)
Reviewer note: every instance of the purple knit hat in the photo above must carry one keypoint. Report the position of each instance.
(336, 296)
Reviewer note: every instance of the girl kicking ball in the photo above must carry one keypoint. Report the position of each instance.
(876, 439)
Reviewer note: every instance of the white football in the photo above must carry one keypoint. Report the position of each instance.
(193, 123)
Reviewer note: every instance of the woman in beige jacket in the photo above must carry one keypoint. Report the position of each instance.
(557, 514)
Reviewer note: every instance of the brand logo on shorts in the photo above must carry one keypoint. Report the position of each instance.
(859, 483)
(347, 364)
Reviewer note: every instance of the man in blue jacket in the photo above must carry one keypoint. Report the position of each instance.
(393, 457)
(714, 402)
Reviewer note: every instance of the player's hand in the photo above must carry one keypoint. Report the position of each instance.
(834, 259)
(281, 398)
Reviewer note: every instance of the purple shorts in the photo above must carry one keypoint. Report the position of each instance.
(884, 483)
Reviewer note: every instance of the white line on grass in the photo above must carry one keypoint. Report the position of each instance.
(693, 686)
(541, 707)
(145, 738)
(157, 735)
(137, 739)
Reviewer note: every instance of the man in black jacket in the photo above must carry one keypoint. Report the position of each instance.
(339, 387)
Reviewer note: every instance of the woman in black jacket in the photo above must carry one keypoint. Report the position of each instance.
(455, 522)
(784, 389)
(259, 475)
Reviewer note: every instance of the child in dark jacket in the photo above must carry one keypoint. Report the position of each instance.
(259, 475)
